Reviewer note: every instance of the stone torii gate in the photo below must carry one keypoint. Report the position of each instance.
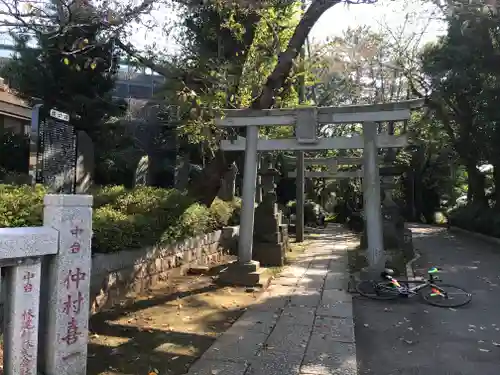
(305, 121)
(332, 172)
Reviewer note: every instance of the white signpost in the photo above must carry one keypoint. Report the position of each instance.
(306, 121)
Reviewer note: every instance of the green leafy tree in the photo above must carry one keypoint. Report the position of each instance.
(269, 84)
(461, 79)
(72, 71)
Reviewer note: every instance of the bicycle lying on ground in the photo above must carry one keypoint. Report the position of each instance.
(441, 295)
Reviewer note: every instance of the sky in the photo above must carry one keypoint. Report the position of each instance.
(382, 15)
(385, 14)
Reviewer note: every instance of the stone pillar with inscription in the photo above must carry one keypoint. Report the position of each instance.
(66, 319)
(21, 321)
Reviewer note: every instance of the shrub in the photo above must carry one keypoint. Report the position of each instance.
(195, 220)
(235, 217)
(21, 206)
(311, 210)
(125, 219)
(115, 231)
(223, 212)
(107, 194)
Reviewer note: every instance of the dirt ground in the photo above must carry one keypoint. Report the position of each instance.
(165, 331)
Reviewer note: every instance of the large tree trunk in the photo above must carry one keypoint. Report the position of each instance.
(205, 187)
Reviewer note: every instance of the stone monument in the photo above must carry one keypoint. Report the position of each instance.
(270, 234)
(85, 163)
(227, 190)
(182, 172)
(142, 175)
(258, 187)
(53, 150)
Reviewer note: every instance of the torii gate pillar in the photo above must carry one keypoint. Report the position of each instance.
(245, 243)
(371, 196)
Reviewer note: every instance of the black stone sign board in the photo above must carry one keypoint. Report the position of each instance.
(53, 152)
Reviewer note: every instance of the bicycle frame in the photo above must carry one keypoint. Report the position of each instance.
(410, 291)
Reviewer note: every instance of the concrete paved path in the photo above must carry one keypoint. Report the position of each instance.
(302, 325)
(409, 337)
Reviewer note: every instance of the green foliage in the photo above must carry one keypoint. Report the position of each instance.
(462, 74)
(221, 212)
(311, 210)
(21, 206)
(116, 154)
(125, 219)
(14, 152)
(80, 83)
(107, 195)
(227, 52)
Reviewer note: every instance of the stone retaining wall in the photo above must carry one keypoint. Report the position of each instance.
(115, 275)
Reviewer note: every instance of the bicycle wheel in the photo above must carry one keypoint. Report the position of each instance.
(377, 290)
(445, 295)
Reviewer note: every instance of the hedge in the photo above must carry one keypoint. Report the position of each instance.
(310, 210)
(476, 218)
(125, 219)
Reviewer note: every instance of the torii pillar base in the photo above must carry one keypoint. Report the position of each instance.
(244, 274)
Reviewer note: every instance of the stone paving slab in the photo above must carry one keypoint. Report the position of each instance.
(287, 338)
(287, 281)
(208, 367)
(337, 266)
(311, 281)
(328, 357)
(236, 348)
(256, 320)
(336, 280)
(271, 362)
(320, 263)
(331, 297)
(274, 298)
(293, 271)
(337, 310)
(335, 329)
(294, 315)
(306, 297)
(301, 325)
